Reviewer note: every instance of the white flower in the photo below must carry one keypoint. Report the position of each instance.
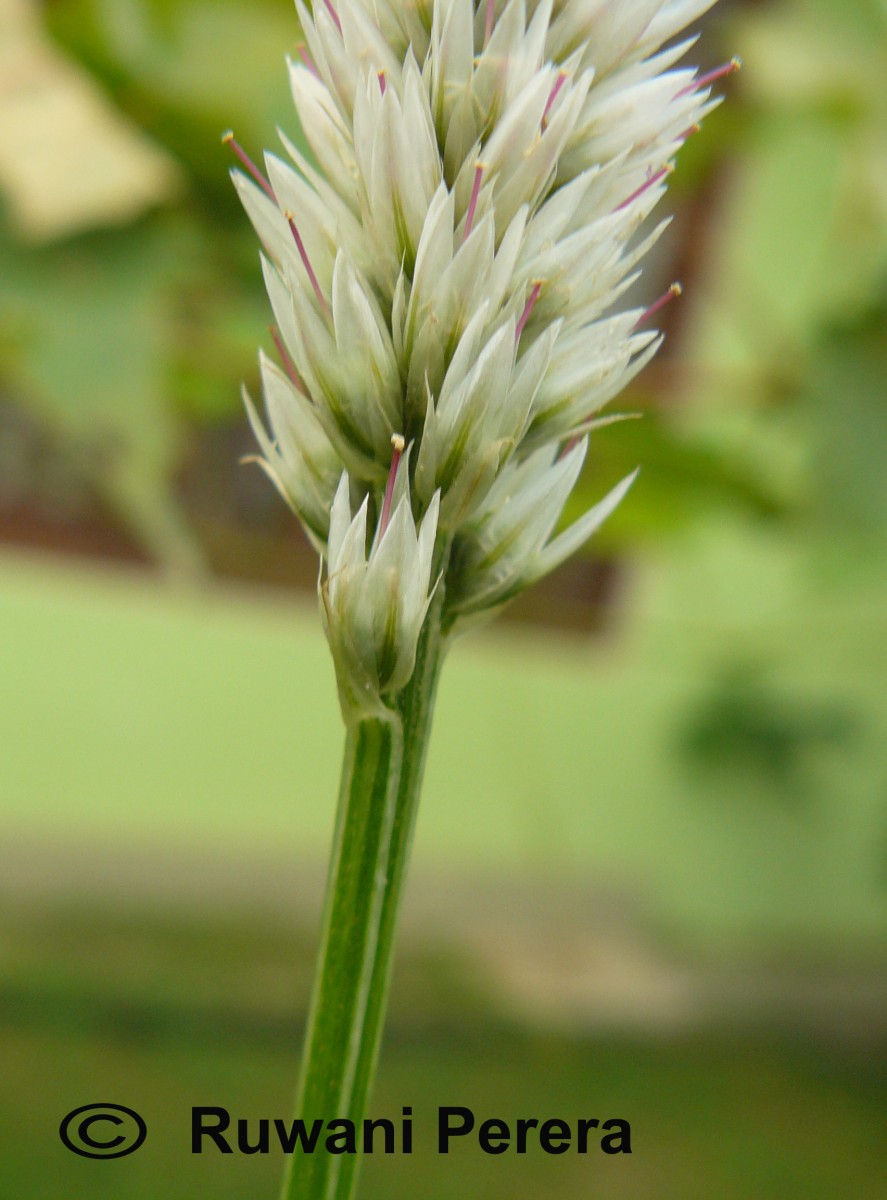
(506, 547)
(452, 273)
(299, 460)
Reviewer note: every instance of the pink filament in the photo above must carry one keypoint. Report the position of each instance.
(571, 445)
(257, 175)
(300, 246)
(398, 443)
(488, 25)
(704, 80)
(648, 183)
(288, 365)
(674, 291)
(561, 80)
(308, 61)
(333, 14)
(528, 308)
(472, 206)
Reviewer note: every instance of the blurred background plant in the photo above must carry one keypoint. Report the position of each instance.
(710, 774)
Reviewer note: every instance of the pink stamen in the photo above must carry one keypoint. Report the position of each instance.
(382, 81)
(673, 292)
(288, 365)
(555, 91)
(333, 14)
(645, 186)
(398, 443)
(308, 60)
(704, 80)
(228, 139)
(488, 24)
(472, 206)
(528, 308)
(688, 133)
(300, 246)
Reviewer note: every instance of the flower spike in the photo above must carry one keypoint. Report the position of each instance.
(469, 159)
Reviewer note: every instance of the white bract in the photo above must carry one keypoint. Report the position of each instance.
(446, 274)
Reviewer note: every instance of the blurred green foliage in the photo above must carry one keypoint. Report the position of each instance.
(187, 69)
(746, 727)
(774, 394)
(786, 341)
(211, 1013)
(122, 343)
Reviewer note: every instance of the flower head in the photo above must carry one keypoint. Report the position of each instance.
(449, 268)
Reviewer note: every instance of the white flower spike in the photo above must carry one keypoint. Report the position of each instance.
(449, 280)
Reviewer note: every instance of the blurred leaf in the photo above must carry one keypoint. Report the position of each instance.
(801, 240)
(680, 477)
(746, 726)
(55, 119)
(816, 53)
(778, 269)
(847, 395)
(798, 250)
(88, 352)
(187, 69)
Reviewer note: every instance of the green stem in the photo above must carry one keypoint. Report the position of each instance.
(416, 706)
(381, 779)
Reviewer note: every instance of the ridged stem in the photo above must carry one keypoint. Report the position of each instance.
(381, 779)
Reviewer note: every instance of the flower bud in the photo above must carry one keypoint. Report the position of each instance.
(373, 605)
